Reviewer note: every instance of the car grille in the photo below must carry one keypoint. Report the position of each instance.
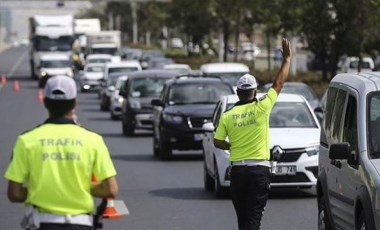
(299, 177)
(291, 155)
(197, 122)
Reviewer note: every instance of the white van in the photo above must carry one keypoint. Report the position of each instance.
(348, 185)
(229, 71)
(350, 65)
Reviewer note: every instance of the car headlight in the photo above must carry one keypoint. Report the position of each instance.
(43, 74)
(172, 118)
(135, 104)
(312, 150)
(120, 99)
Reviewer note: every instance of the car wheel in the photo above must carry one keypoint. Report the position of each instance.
(323, 220)
(165, 150)
(361, 223)
(209, 182)
(220, 191)
(113, 116)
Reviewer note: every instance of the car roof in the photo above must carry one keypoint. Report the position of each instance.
(363, 82)
(224, 67)
(96, 56)
(177, 66)
(182, 79)
(94, 64)
(153, 73)
(122, 78)
(129, 63)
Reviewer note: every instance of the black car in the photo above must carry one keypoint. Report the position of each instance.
(186, 103)
(138, 92)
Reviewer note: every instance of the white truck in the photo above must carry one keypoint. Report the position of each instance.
(83, 27)
(105, 42)
(49, 33)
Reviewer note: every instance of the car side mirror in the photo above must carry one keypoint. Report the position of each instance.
(340, 151)
(157, 102)
(208, 127)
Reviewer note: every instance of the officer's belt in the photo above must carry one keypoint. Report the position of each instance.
(65, 219)
(251, 163)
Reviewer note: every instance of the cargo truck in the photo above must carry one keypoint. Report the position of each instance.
(104, 42)
(49, 33)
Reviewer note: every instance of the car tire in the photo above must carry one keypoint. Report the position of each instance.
(209, 182)
(323, 219)
(113, 116)
(220, 191)
(165, 150)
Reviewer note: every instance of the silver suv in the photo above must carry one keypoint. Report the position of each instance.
(349, 158)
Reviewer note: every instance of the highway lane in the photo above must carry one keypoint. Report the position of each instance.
(159, 194)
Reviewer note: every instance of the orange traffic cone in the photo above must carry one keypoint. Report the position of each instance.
(110, 210)
(40, 96)
(3, 79)
(16, 86)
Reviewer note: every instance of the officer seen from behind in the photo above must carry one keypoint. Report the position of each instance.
(246, 125)
(52, 166)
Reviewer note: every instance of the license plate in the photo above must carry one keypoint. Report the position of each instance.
(285, 170)
(198, 136)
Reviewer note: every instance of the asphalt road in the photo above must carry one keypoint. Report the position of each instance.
(159, 194)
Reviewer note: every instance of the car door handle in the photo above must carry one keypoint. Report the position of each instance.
(336, 163)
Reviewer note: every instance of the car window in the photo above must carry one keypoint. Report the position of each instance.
(122, 69)
(120, 84)
(337, 116)
(349, 133)
(291, 115)
(55, 64)
(197, 93)
(330, 104)
(95, 69)
(111, 80)
(146, 87)
(374, 124)
(100, 60)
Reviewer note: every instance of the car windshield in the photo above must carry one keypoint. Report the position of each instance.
(111, 51)
(99, 60)
(50, 44)
(374, 124)
(112, 79)
(197, 93)
(355, 64)
(55, 64)
(122, 69)
(94, 69)
(146, 87)
(231, 78)
(120, 83)
(296, 89)
(290, 115)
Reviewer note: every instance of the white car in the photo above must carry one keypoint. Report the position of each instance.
(90, 76)
(294, 134)
(116, 101)
(121, 67)
(229, 71)
(181, 68)
(98, 58)
(350, 65)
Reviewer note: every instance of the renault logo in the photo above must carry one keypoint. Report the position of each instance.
(277, 152)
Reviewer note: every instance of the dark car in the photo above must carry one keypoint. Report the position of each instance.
(140, 89)
(186, 103)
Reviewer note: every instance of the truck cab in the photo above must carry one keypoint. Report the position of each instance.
(51, 64)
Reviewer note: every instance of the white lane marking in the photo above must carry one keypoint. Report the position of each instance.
(14, 68)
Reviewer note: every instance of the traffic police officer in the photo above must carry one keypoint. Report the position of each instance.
(52, 166)
(247, 127)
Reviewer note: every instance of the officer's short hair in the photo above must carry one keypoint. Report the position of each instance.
(59, 108)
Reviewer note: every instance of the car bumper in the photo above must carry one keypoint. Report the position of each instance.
(306, 171)
(90, 85)
(183, 139)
